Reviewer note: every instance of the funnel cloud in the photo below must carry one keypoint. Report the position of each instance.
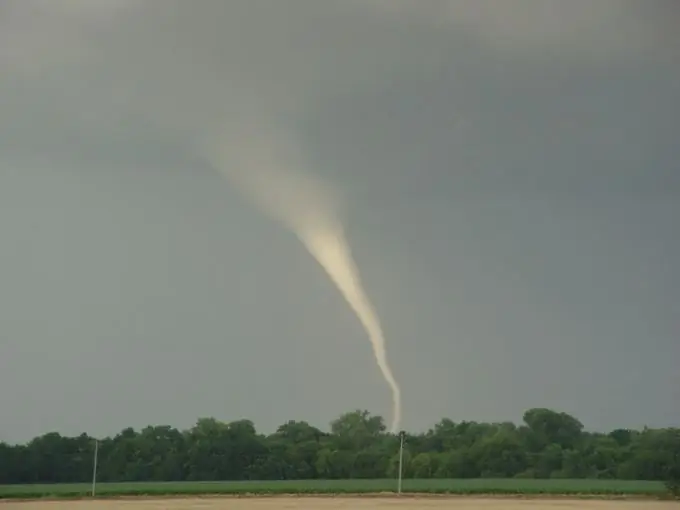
(269, 171)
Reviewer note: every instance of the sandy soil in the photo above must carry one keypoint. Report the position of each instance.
(340, 503)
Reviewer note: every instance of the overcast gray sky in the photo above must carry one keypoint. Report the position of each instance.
(509, 171)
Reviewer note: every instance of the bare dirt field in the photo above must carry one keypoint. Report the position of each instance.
(338, 503)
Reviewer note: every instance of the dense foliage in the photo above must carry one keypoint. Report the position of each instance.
(548, 444)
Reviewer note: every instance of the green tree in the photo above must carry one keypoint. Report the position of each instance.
(548, 444)
(550, 427)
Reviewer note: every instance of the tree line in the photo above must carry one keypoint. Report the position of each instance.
(548, 444)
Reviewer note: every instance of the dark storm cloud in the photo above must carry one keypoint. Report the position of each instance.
(513, 165)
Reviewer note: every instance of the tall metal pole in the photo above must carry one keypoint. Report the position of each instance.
(94, 467)
(401, 459)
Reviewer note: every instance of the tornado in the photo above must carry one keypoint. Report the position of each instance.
(269, 169)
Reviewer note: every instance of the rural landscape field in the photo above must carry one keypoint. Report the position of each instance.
(315, 503)
(479, 494)
(548, 456)
(422, 487)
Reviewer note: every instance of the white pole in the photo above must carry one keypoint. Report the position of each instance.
(401, 459)
(94, 467)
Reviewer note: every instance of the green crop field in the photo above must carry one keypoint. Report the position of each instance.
(431, 486)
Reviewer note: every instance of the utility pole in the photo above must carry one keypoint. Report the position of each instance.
(94, 467)
(401, 459)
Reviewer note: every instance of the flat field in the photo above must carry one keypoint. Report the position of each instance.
(496, 487)
(340, 503)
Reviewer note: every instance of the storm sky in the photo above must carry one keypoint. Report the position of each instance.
(510, 181)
